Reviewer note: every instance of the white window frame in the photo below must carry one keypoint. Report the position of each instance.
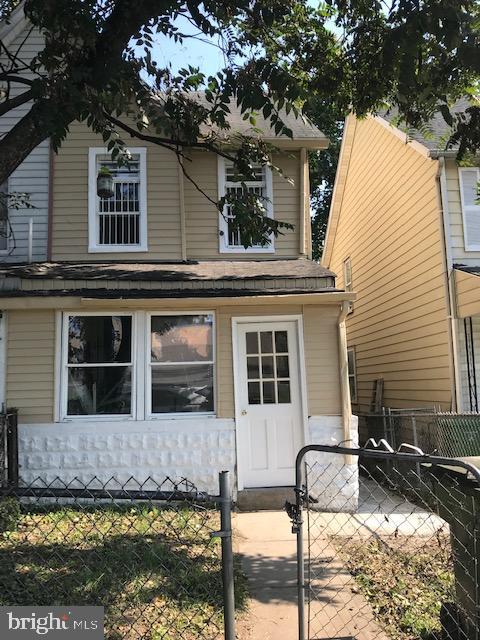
(224, 247)
(149, 415)
(352, 374)
(64, 416)
(141, 367)
(465, 208)
(93, 227)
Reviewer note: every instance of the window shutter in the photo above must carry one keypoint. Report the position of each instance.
(469, 179)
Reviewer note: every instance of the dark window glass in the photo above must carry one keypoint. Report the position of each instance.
(281, 342)
(266, 341)
(254, 393)
(283, 370)
(283, 388)
(182, 338)
(267, 367)
(269, 392)
(99, 391)
(252, 341)
(104, 339)
(253, 370)
(182, 388)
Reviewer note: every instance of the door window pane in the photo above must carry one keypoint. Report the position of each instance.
(252, 342)
(283, 370)
(182, 388)
(269, 392)
(271, 369)
(267, 367)
(99, 391)
(266, 341)
(94, 339)
(182, 338)
(254, 393)
(253, 369)
(281, 342)
(283, 389)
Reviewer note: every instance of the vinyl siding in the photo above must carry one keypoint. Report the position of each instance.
(31, 364)
(202, 217)
(389, 224)
(70, 201)
(457, 239)
(31, 358)
(32, 175)
(70, 204)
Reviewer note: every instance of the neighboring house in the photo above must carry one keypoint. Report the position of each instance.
(404, 233)
(151, 343)
(33, 174)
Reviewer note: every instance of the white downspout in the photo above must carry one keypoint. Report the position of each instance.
(456, 386)
(344, 386)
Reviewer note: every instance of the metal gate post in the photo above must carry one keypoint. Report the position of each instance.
(297, 520)
(227, 556)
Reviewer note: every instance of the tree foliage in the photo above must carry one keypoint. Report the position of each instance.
(98, 65)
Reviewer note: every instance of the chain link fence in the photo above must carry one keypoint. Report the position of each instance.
(446, 434)
(156, 554)
(388, 551)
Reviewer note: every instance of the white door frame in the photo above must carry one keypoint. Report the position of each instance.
(298, 320)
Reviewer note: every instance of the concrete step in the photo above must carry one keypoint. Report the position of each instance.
(265, 499)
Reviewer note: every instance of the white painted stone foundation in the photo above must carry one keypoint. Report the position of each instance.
(192, 448)
(331, 480)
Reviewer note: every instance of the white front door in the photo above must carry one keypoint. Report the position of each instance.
(269, 404)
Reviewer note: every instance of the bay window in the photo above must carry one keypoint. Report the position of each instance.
(137, 365)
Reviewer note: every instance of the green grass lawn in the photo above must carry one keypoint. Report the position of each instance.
(404, 580)
(156, 571)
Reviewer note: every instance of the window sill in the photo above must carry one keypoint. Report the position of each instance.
(118, 248)
(240, 250)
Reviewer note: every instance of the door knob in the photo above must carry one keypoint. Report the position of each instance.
(243, 412)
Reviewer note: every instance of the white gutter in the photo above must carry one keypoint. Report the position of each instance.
(343, 372)
(450, 282)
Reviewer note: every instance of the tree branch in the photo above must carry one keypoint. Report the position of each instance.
(17, 101)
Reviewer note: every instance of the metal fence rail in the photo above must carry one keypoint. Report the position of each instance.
(386, 550)
(442, 433)
(157, 555)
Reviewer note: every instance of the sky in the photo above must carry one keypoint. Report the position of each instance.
(206, 56)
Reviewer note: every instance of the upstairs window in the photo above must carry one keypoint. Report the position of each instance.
(118, 223)
(229, 181)
(469, 195)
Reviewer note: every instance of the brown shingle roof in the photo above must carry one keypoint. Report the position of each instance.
(207, 270)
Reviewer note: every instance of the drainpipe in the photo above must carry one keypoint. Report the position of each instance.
(344, 386)
(451, 296)
(303, 204)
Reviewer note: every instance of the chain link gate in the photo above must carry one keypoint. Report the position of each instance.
(388, 544)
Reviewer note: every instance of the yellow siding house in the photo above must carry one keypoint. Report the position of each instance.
(404, 234)
(149, 342)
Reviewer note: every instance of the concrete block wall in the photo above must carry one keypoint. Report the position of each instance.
(192, 448)
(332, 478)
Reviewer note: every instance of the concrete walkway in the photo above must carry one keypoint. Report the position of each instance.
(268, 551)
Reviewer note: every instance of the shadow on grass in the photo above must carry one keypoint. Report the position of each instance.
(163, 581)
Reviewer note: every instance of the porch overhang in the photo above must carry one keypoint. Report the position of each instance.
(467, 288)
(142, 300)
